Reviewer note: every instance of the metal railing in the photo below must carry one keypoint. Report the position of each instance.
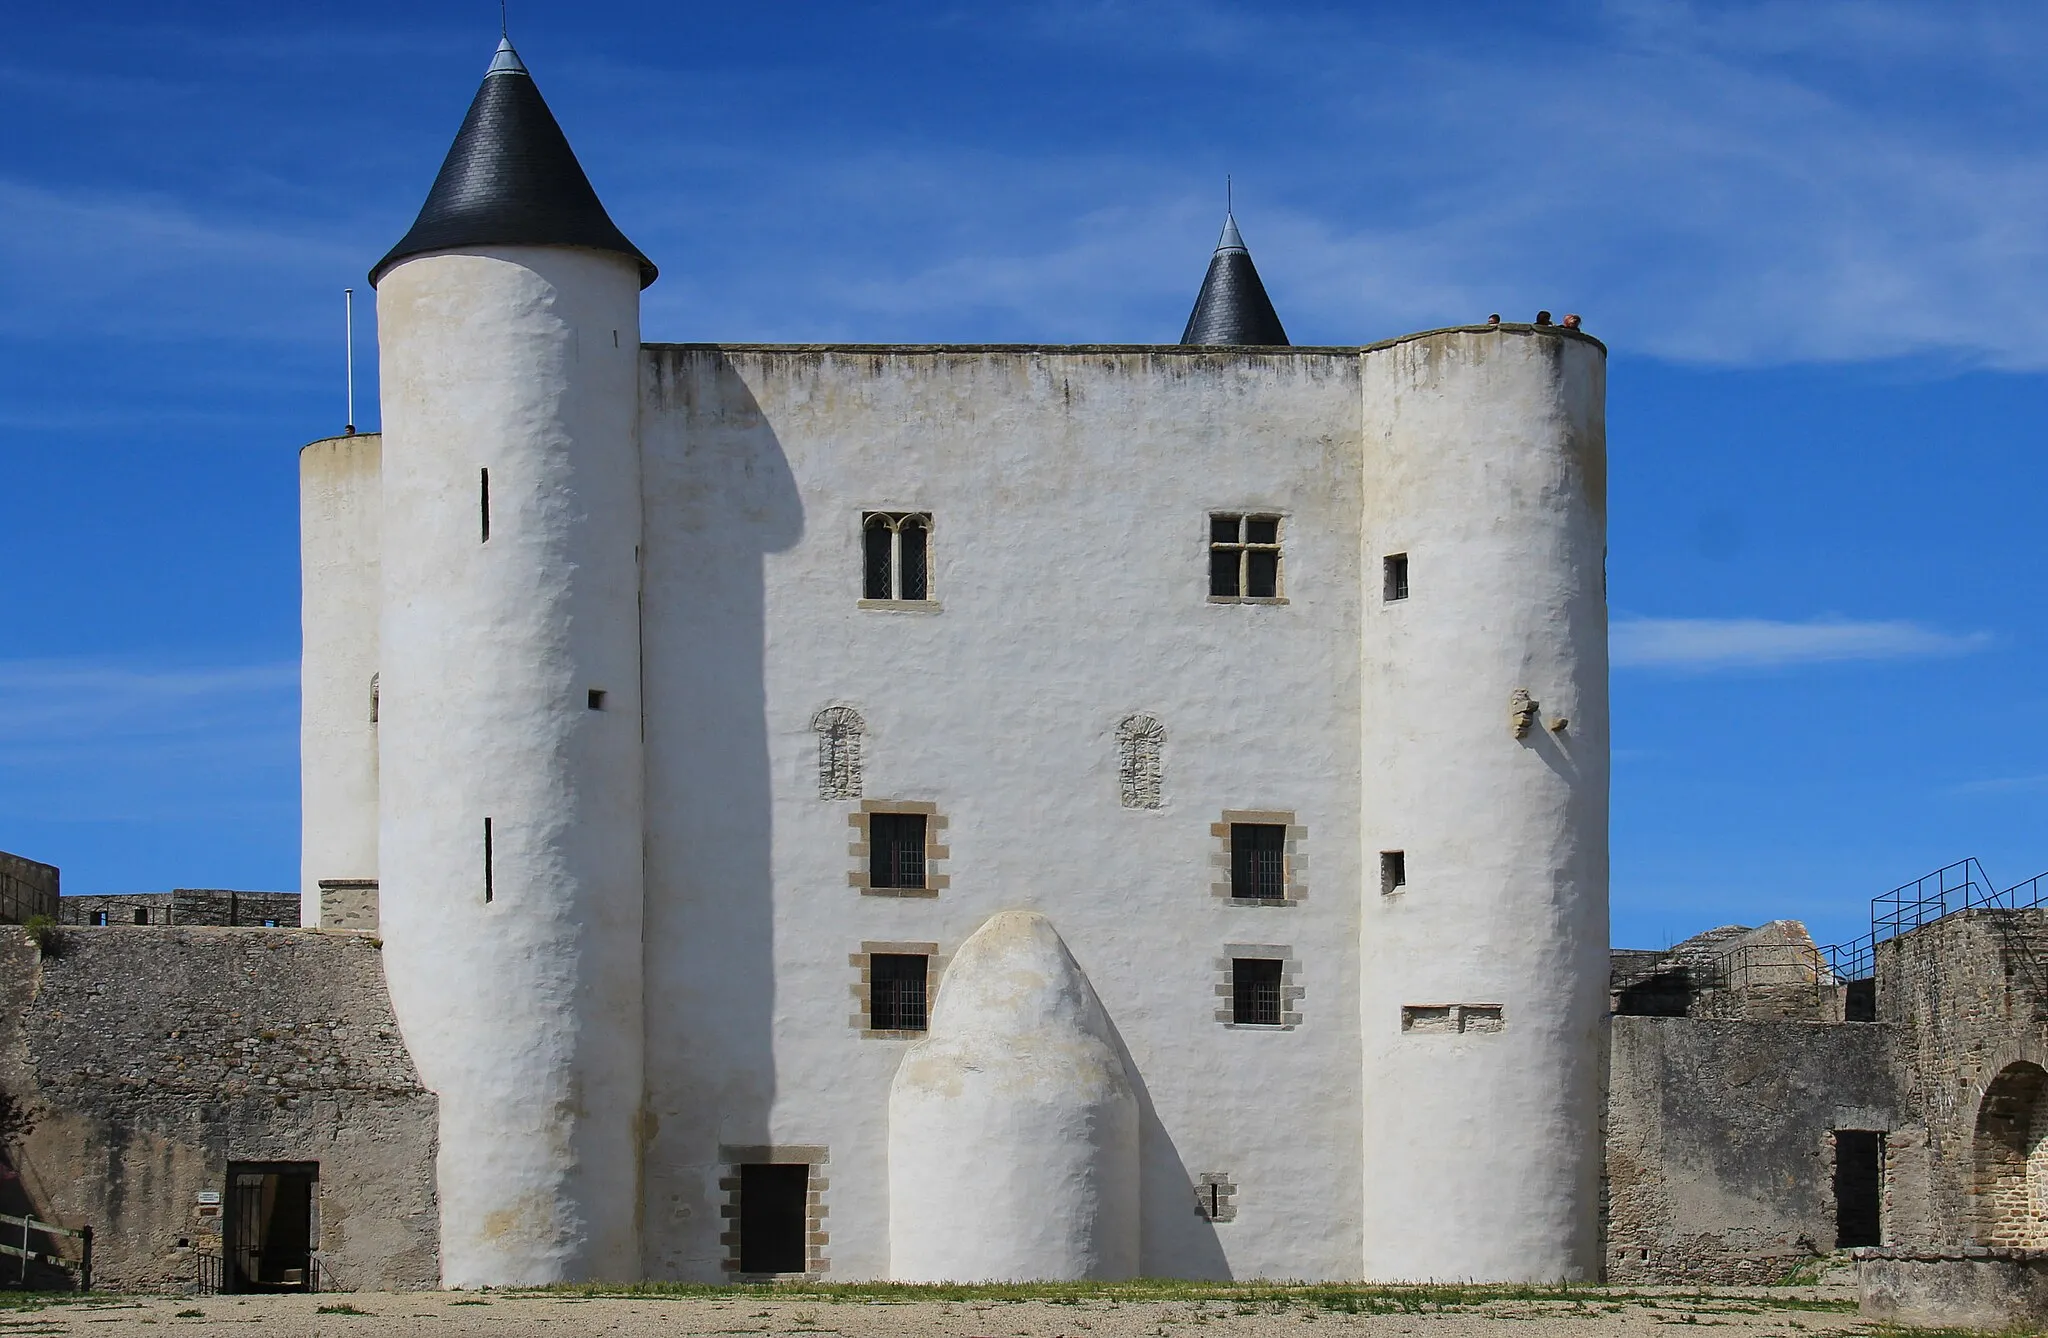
(1960, 886)
(28, 1226)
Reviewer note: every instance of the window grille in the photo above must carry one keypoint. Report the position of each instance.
(896, 849)
(896, 555)
(1244, 557)
(1258, 861)
(1255, 991)
(897, 984)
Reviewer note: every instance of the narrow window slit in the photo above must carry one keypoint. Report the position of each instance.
(489, 890)
(484, 503)
(1393, 871)
(1394, 577)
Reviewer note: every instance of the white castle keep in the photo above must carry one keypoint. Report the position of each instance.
(962, 812)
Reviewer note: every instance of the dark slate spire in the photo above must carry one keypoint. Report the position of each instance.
(1233, 307)
(511, 179)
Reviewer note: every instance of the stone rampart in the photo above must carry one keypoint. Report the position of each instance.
(138, 1064)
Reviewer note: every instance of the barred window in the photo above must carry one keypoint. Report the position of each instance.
(1244, 557)
(896, 991)
(896, 849)
(896, 555)
(1255, 991)
(1258, 861)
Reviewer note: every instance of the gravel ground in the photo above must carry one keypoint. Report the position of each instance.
(1644, 1313)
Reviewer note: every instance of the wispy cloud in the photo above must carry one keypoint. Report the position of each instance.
(1736, 643)
(2003, 785)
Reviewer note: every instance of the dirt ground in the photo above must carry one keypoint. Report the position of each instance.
(1813, 1312)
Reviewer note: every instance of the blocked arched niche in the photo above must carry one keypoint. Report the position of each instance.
(1141, 760)
(2010, 1161)
(839, 730)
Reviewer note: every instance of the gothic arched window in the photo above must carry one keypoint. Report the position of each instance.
(839, 729)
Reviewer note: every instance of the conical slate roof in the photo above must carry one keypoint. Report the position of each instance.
(1233, 307)
(511, 179)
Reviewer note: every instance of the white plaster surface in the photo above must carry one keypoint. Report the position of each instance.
(340, 597)
(1013, 1126)
(1485, 453)
(523, 1014)
(1070, 492)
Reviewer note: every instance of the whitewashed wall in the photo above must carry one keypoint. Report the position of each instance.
(339, 601)
(1485, 452)
(1070, 491)
(522, 1013)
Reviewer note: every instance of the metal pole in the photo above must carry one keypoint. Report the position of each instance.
(348, 310)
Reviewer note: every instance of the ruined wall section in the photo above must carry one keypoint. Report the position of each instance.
(1968, 997)
(146, 1060)
(1720, 1154)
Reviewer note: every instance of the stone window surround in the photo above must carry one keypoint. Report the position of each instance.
(862, 962)
(816, 1238)
(1217, 1188)
(1280, 547)
(1297, 860)
(893, 518)
(936, 880)
(1226, 985)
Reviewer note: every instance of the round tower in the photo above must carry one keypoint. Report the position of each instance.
(510, 822)
(1485, 765)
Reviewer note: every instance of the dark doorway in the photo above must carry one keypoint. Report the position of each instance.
(772, 1202)
(1859, 1187)
(269, 1226)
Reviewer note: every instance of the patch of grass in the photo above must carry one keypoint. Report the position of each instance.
(469, 1302)
(190, 1314)
(338, 1308)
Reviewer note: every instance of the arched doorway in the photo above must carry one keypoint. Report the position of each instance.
(2012, 1158)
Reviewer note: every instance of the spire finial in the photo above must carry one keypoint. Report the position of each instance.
(1229, 204)
(504, 25)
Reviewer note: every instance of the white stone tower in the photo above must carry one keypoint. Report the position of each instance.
(1484, 765)
(510, 750)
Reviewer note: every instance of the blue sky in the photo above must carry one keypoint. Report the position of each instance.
(1814, 234)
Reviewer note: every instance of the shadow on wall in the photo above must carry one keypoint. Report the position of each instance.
(1175, 1241)
(716, 476)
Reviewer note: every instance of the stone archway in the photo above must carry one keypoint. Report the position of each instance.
(2011, 1158)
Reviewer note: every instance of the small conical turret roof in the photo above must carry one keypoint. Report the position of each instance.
(1233, 307)
(511, 179)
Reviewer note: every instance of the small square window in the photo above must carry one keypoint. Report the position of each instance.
(1244, 557)
(99, 917)
(896, 556)
(597, 699)
(1393, 871)
(896, 991)
(1255, 991)
(141, 916)
(1258, 861)
(896, 849)
(1394, 576)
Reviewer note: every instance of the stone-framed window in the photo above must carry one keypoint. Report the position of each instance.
(896, 560)
(1244, 558)
(864, 964)
(734, 1162)
(1215, 1197)
(1246, 855)
(898, 865)
(1282, 978)
(1452, 1019)
(1140, 761)
(839, 730)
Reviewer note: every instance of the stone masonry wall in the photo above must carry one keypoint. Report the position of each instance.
(1720, 1155)
(1968, 998)
(184, 906)
(145, 1060)
(26, 888)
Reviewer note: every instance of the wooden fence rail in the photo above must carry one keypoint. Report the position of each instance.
(29, 1256)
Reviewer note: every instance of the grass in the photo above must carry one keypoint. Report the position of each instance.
(1345, 1298)
(338, 1308)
